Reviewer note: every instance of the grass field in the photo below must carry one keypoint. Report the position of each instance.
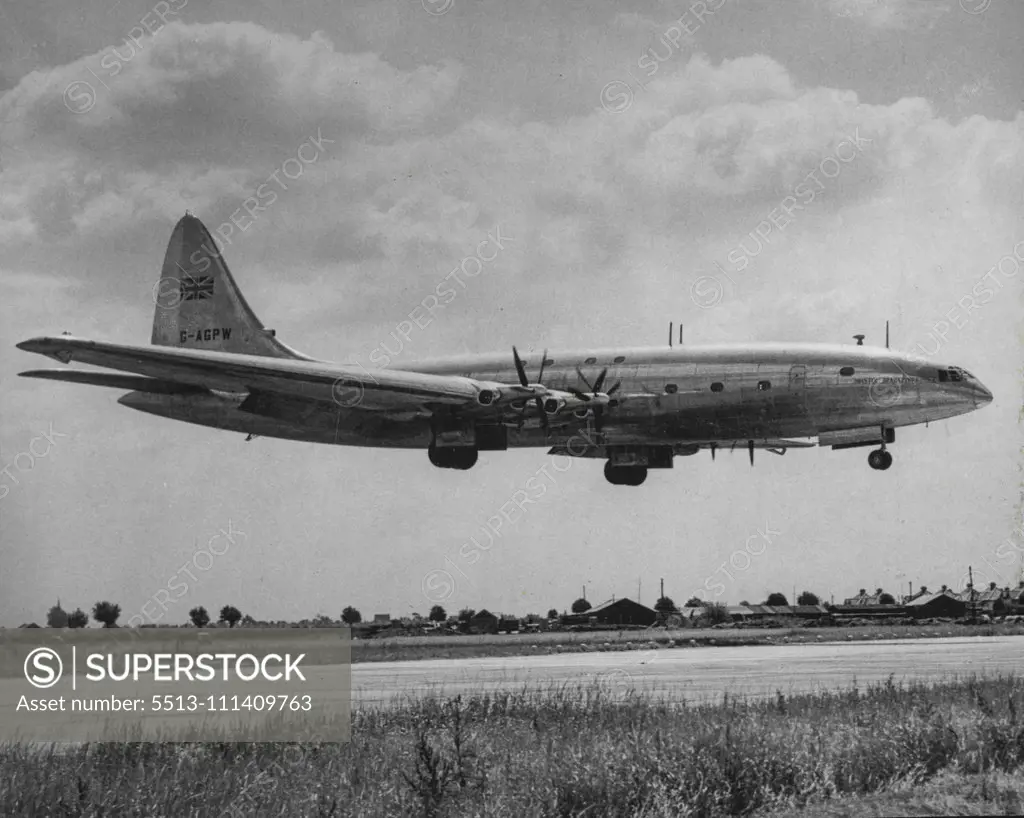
(891, 749)
(403, 648)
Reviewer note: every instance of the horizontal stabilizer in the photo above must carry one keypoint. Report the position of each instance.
(136, 383)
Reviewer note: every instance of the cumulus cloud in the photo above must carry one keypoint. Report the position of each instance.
(191, 106)
(662, 189)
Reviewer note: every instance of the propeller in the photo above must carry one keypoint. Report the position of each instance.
(595, 391)
(750, 448)
(521, 372)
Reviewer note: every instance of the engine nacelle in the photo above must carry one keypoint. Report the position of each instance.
(553, 406)
(487, 396)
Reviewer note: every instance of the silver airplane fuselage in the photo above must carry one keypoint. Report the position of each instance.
(685, 397)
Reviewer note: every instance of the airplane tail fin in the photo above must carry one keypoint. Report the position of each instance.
(198, 304)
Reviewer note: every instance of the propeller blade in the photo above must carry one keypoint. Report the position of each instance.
(714, 448)
(584, 379)
(614, 389)
(520, 370)
(750, 447)
(543, 360)
(600, 380)
(578, 394)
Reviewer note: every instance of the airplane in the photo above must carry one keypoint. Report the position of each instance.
(212, 362)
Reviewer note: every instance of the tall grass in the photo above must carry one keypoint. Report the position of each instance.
(562, 750)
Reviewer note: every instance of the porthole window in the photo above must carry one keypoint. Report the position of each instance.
(846, 370)
(619, 359)
(717, 387)
(671, 388)
(590, 361)
(764, 386)
(548, 361)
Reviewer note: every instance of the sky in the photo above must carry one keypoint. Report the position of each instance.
(758, 171)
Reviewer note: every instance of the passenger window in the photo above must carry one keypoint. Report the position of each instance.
(671, 388)
(619, 359)
(590, 361)
(846, 370)
(548, 362)
(717, 387)
(764, 386)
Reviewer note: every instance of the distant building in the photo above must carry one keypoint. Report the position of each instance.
(921, 592)
(866, 600)
(508, 623)
(811, 611)
(940, 604)
(993, 601)
(1017, 597)
(622, 611)
(382, 620)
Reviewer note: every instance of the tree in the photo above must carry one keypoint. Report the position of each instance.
(714, 614)
(106, 613)
(694, 602)
(466, 614)
(56, 618)
(744, 602)
(886, 599)
(552, 614)
(78, 619)
(350, 616)
(776, 599)
(438, 614)
(807, 598)
(230, 614)
(665, 605)
(581, 606)
(200, 618)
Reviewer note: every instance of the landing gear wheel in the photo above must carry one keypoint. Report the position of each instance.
(453, 457)
(624, 475)
(880, 459)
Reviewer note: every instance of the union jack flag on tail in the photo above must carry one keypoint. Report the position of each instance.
(196, 288)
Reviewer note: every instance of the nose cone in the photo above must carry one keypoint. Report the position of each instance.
(982, 396)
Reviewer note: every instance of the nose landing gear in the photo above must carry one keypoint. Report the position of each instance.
(880, 459)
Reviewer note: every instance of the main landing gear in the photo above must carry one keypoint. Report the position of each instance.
(624, 475)
(880, 459)
(453, 457)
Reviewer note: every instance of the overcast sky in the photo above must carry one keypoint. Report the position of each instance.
(629, 153)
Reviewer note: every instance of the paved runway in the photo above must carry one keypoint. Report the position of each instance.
(698, 673)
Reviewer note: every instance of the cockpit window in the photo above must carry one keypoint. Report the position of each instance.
(954, 373)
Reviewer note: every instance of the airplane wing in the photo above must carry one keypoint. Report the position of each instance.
(761, 443)
(580, 449)
(349, 386)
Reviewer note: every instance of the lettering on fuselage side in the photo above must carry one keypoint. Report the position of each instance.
(887, 379)
(205, 334)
